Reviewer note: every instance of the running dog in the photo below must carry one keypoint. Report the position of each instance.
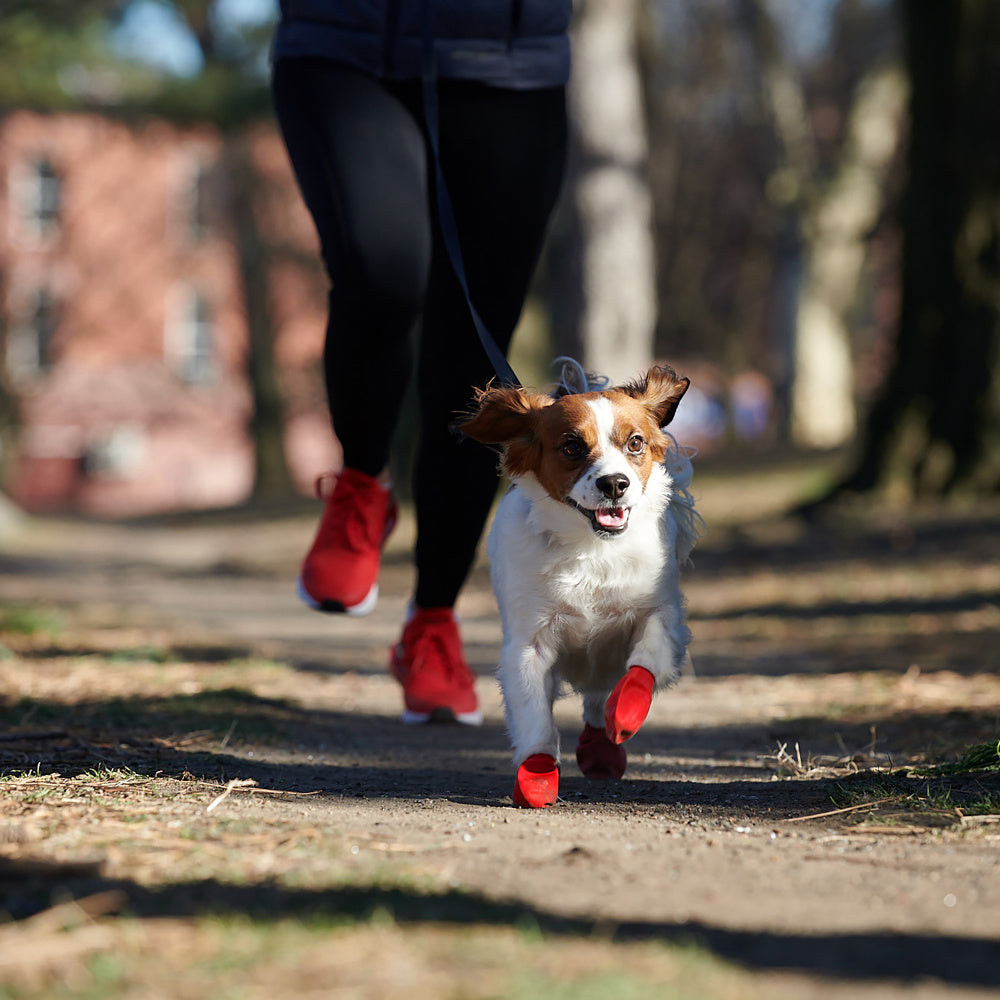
(585, 551)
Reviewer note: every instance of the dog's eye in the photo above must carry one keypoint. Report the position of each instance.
(573, 449)
(635, 444)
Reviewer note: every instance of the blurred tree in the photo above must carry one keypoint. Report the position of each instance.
(603, 264)
(935, 428)
(834, 211)
(711, 151)
(228, 93)
(38, 40)
(9, 415)
(60, 55)
(773, 129)
(257, 254)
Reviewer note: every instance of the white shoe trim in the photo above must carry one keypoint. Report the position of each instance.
(305, 596)
(411, 718)
(367, 604)
(364, 607)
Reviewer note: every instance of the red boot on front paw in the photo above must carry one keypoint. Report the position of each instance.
(628, 704)
(598, 757)
(537, 782)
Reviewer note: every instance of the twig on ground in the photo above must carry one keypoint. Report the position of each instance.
(812, 767)
(846, 809)
(280, 791)
(249, 785)
(234, 784)
(75, 911)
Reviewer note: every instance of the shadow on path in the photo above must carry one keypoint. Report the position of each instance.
(891, 956)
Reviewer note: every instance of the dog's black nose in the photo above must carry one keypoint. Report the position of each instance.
(613, 486)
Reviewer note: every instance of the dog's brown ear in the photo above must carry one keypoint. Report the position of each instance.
(660, 390)
(502, 415)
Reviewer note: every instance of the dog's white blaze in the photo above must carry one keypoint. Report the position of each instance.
(604, 417)
(605, 460)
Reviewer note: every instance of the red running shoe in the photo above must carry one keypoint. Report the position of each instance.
(438, 685)
(340, 571)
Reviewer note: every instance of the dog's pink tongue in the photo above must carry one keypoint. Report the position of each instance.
(613, 517)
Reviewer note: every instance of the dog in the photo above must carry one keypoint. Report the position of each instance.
(585, 551)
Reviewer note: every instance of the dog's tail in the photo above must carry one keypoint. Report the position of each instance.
(690, 524)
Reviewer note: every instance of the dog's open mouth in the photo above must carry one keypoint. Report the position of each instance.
(610, 520)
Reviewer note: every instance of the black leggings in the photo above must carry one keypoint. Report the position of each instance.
(361, 158)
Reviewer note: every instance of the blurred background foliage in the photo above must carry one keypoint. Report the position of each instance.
(797, 203)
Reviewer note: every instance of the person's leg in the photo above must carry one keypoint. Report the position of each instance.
(503, 155)
(360, 160)
(361, 164)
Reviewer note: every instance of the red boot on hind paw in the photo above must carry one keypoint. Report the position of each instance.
(537, 782)
(628, 704)
(598, 757)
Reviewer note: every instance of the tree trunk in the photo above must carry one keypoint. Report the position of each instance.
(935, 429)
(603, 264)
(271, 477)
(9, 408)
(823, 244)
(787, 188)
(836, 228)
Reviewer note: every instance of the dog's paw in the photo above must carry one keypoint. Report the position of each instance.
(628, 704)
(537, 783)
(598, 757)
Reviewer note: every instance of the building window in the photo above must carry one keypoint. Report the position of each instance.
(193, 208)
(199, 203)
(37, 195)
(116, 453)
(190, 337)
(30, 347)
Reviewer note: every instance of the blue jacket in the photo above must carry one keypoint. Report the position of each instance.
(518, 44)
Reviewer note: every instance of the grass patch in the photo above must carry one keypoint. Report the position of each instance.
(981, 757)
(141, 654)
(29, 620)
(941, 794)
(218, 958)
(102, 773)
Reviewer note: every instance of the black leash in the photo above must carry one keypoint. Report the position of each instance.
(446, 214)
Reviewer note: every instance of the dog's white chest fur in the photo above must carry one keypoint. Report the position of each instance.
(582, 600)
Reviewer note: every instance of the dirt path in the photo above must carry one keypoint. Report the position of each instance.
(823, 659)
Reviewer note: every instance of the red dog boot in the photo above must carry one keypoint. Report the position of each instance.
(628, 704)
(598, 757)
(537, 782)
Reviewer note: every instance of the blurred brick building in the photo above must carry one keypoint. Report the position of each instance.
(123, 313)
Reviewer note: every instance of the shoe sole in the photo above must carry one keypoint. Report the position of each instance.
(365, 607)
(441, 715)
